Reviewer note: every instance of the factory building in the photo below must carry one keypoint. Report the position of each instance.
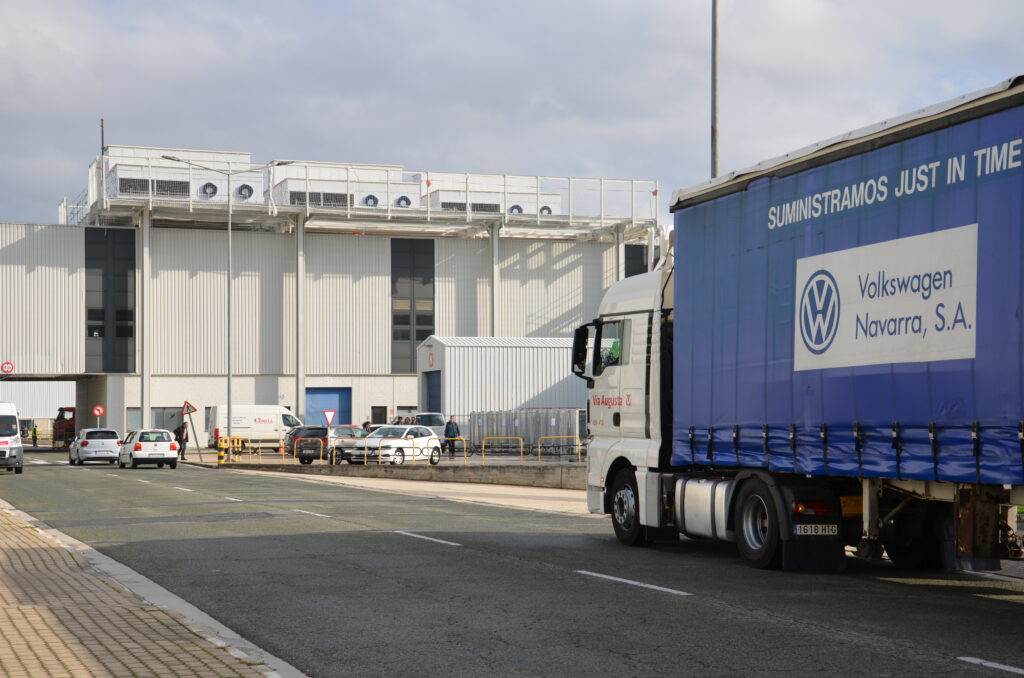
(338, 272)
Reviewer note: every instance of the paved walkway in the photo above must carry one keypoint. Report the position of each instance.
(59, 617)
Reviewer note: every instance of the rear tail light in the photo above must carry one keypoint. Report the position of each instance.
(810, 508)
(324, 441)
(174, 446)
(84, 443)
(119, 443)
(137, 448)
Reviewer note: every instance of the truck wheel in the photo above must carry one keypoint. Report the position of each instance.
(757, 525)
(18, 470)
(626, 510)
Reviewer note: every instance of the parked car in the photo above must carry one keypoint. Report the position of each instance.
(307, 443)
(396, 444)
(148, 446)
(298, 432)
(344, 437)
(94, 444)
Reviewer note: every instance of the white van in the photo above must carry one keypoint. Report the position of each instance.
(12, 457)
(259, 424)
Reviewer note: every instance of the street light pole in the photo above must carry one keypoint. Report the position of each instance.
(229, 325)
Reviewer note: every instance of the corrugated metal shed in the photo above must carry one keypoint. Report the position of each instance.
(459, 375)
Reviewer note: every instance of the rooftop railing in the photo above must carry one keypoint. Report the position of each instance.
(352, 192)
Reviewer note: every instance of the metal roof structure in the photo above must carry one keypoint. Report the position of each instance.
(190, 188)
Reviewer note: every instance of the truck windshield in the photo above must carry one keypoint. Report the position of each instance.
(8, 425)
(290, 421)
(430, 420)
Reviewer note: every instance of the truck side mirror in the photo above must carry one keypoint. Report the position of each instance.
(580, 339)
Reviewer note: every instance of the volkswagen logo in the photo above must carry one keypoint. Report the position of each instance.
(819, 312)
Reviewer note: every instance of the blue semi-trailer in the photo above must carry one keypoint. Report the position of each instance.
(830, 355)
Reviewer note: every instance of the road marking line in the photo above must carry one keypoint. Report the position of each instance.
(318, 515)
(62, 462)
(420, 536)
(635, 583)
(144, 481)
(38, 461)
(184, 489)
(113, 475)
(992, 665)
(233, 499)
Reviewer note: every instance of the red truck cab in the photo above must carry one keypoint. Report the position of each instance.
(64, 427)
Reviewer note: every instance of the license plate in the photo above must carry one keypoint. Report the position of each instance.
(815, 530)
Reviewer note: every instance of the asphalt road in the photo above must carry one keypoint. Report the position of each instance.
(342, 581)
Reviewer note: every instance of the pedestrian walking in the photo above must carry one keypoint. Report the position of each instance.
(181, 437)
(35, 436)
(451, 431)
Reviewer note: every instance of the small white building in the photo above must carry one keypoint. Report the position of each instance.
(460, 375)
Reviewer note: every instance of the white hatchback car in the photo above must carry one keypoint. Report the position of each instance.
(94, 444)
(397, 444)
(149, 446)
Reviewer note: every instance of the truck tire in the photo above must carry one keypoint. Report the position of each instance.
(626, 509)
(756, 524)
(18, 470)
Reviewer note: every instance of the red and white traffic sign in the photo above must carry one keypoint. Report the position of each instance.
(7, 367)
(329, 416)
(98, 410)
(188, 408)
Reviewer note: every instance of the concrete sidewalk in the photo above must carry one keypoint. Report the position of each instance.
(61, 617)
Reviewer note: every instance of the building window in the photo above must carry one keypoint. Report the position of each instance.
(636, 260)
(412, 299)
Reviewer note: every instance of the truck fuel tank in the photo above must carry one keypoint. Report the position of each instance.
(702, 507)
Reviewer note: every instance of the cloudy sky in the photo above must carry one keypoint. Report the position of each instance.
(613, 88)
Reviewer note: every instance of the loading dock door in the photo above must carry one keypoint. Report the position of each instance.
(433, 391)
(320, 399)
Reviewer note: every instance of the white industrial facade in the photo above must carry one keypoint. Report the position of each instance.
(511, 258)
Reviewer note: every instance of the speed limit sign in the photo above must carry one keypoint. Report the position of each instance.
(7, 367)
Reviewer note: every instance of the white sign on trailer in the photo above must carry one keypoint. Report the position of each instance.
(901, 301)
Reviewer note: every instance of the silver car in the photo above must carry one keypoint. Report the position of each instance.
(94, 444)
(345, 438)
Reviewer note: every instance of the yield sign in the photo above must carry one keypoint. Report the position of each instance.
(329, 416)
(188, 408)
